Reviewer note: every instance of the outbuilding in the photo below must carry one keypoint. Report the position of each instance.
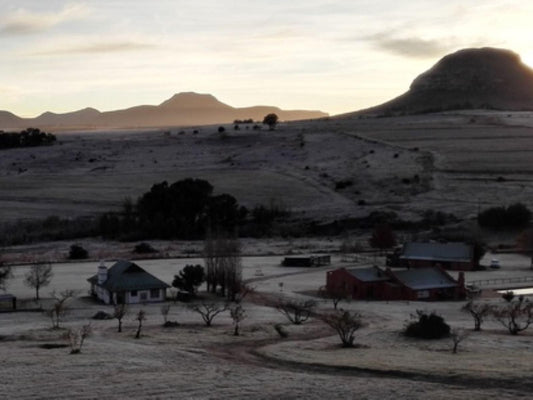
(452, 256)
(126, 283)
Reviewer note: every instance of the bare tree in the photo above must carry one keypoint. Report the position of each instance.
(76, 337)
(516, 315)
(222, 255)
(336, 295)
(345, 324)
(39, 275)
(5, 274)
(296, 311)
(457, 335)
(209, 311)
(60, 307)
(237, 315)
(119, 313)
(141, 316)
(165, 309)
(478, 311)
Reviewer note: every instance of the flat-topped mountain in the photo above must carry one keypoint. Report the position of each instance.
(181, 109)
(471, 78)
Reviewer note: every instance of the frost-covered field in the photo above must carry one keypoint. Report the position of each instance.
(192, 361)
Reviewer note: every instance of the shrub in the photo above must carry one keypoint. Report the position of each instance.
(515, 216)
(77, 252)
(428, 326)
(144, 248)
(221, 129)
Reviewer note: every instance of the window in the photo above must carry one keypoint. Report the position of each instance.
(154, 293)
(144, 295)
(133, 293)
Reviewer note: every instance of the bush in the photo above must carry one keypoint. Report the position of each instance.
(77, 252)
(144, 248)
(515, 216)
(221, 129)
(428, 326)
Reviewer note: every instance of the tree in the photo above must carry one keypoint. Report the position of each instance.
(237, 315)
(271, 120)
(77, 252)
(345, 324)
(39, 275)
(119, 313)
(296, 311)
(223, 265)
(189, 278)
(427, 326)
(336, 295)
(478, 311)
(382, 237)
(59, 307)
(208, 311)
(5, 274)
(457, 335)
(76, 337)
(516, 314)
(140, 317)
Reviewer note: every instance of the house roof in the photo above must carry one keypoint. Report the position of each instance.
(126, 276)
(425, 278)
(372, 274)
(448, 252)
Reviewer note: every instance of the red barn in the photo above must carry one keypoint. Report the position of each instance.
(374, 283)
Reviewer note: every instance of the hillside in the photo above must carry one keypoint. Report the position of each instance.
(486, 78)
(183, 109)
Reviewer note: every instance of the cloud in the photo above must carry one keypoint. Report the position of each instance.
(23, 22)
(94, 48)
(410, 46)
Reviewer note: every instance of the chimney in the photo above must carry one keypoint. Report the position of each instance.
(102, 273)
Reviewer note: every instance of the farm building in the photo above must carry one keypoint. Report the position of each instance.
(431, 283)
(452, 256)
(8, 302)
(126, 282)
(306, 261)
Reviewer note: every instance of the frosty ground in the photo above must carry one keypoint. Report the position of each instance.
(192, 361)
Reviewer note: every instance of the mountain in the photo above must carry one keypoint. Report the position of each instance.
(180, 110)
(487, 78)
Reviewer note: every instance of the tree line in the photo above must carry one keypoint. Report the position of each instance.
(27, 138)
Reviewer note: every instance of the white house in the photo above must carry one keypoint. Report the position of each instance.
(126, 282)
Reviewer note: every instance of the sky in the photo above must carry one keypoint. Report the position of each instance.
(334, 56)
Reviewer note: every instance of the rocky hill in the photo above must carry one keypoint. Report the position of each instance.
(485, 78)
(183, 109)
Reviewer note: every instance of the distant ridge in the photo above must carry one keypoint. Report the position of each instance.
(182, 109)
(486, 78)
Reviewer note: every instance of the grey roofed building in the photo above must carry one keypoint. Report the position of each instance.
(452, 255)
(126, 282)
(425, 278)
(372, 274)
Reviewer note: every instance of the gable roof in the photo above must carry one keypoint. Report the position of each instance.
(126, 276)
(448, 252)
(425, 278)
(372, 274)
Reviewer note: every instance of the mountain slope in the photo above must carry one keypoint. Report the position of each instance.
(470, 78)
(181, 109)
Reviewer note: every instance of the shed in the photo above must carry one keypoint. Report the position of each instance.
(453, 255)
(126, 282)
(8, 302)
(306, 261)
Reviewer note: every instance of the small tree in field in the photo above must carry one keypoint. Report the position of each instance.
(237, 315)
(119, 313)
(39, 275)
(457, 335)
(382, 237)
(76, 337)
(141, 316)
(59, 308)
(336, 295)
(345, 324)
(5, 274)
(208, 311)
(271, 120)
(478, 311)
(296, 311)
(516, 315)
(189, 278)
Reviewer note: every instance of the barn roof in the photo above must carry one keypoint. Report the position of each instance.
(372, 274)
(448, 252)
(425, 278)
(126, 276)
